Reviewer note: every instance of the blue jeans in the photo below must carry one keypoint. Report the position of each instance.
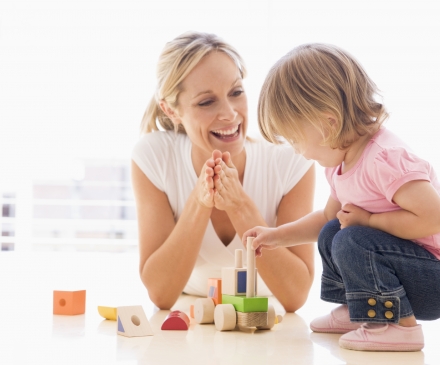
(381, 277)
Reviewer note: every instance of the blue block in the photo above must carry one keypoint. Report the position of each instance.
(241, 282)
(120, 327)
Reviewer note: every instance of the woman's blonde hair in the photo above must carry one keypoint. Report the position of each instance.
(176, 61)
(314, 79)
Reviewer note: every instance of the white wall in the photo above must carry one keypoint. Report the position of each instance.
(75, 76)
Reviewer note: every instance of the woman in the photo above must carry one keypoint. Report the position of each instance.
(200, 184)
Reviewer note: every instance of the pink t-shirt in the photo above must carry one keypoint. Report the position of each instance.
(385, 165)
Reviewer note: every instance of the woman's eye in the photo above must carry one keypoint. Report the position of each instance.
(206, 103)
(237, 92)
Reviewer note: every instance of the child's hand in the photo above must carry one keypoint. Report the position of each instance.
(352, 215)
(264, 238)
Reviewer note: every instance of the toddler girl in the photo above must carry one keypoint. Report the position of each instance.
(379, 233)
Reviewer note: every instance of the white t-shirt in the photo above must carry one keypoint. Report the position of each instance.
(271, 171)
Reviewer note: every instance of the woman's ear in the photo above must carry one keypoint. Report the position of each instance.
(169, 112)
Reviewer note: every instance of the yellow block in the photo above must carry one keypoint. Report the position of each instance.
(108, 312)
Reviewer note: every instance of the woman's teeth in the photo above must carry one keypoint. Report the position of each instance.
(226, 132)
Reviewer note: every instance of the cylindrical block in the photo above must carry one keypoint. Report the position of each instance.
(238, 258)
(250, 272)
(225, 317)
(204, 310)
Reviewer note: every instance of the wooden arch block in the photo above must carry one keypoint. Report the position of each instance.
(69, 302)
(176, 320)
(132, 322)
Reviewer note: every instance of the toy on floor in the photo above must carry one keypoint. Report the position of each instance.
(69, 302)
(109, 313)
(176, 320)
(238, 305)
(132, 322)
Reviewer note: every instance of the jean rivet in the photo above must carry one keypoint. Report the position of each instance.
(371, 313)
(389, 314)
(372, 301)
(388, 304)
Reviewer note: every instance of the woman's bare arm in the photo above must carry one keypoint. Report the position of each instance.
(168, 250)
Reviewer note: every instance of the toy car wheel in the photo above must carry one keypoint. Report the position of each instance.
(225, 318)
(204, 310)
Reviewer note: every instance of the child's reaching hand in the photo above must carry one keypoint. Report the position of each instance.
(352, 215)
(264, 238)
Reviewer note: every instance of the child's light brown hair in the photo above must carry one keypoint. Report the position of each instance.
(310, 81)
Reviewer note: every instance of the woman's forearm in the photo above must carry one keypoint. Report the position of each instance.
(287, 276)
(167, 270)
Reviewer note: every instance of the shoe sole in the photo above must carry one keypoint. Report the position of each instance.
(374, 346)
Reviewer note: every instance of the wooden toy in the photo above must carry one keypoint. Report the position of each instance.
(225, 317)
(132, 322)
(69, 302)
(191, 310)
(234, 279)
(204, 310)
(176, 320)
(244, 304)
(215, 290)
(109, 313)
(245, 310)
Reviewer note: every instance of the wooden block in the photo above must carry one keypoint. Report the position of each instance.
(225, 317)
(215, 290)
(204, 310)
(176, 320)
(132, 322)
(69, 302)
(251, 272)
(271, 319)
(252, 319)
(191, 310)
(246, 305)
(234, 281)
(109, 313)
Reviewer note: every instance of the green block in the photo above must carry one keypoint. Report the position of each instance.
(246, 305)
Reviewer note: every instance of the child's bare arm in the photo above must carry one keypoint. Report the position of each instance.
(304, 230)
(419, 216)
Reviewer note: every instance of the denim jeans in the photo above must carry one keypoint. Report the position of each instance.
(381, 277)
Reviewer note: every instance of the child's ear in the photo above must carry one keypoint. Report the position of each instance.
(170, 112)
(332, 121)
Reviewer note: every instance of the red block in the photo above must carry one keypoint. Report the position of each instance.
(176, 320)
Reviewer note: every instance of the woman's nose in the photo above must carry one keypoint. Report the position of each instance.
(227, 111)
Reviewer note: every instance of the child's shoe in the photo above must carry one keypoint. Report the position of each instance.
(338, 321)
(383, 337)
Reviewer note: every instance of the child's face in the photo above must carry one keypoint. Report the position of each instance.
(313, 149)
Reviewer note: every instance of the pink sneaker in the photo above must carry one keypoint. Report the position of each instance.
(338, 321)
(383, 337)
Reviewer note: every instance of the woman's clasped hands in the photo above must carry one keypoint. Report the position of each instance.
(221, 187)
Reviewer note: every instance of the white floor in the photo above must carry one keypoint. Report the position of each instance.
(31, 334)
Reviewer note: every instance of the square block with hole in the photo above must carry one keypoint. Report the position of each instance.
(234, 281)
(69, 302)
(246, 305)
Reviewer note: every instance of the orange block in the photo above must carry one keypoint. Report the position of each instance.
(215, 290)
(69, 302)
(191, 310)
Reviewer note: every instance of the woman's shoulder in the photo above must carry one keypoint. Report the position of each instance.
(160, 140)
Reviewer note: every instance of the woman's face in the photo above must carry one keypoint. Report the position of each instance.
(212, 106)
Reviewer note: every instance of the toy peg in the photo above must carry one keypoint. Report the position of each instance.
(250, 271)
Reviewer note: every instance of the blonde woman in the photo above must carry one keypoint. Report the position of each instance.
(379, 233)
(199, 183)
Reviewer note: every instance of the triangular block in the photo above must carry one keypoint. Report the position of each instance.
(132, 322)
(176, 320)
(120, 326)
